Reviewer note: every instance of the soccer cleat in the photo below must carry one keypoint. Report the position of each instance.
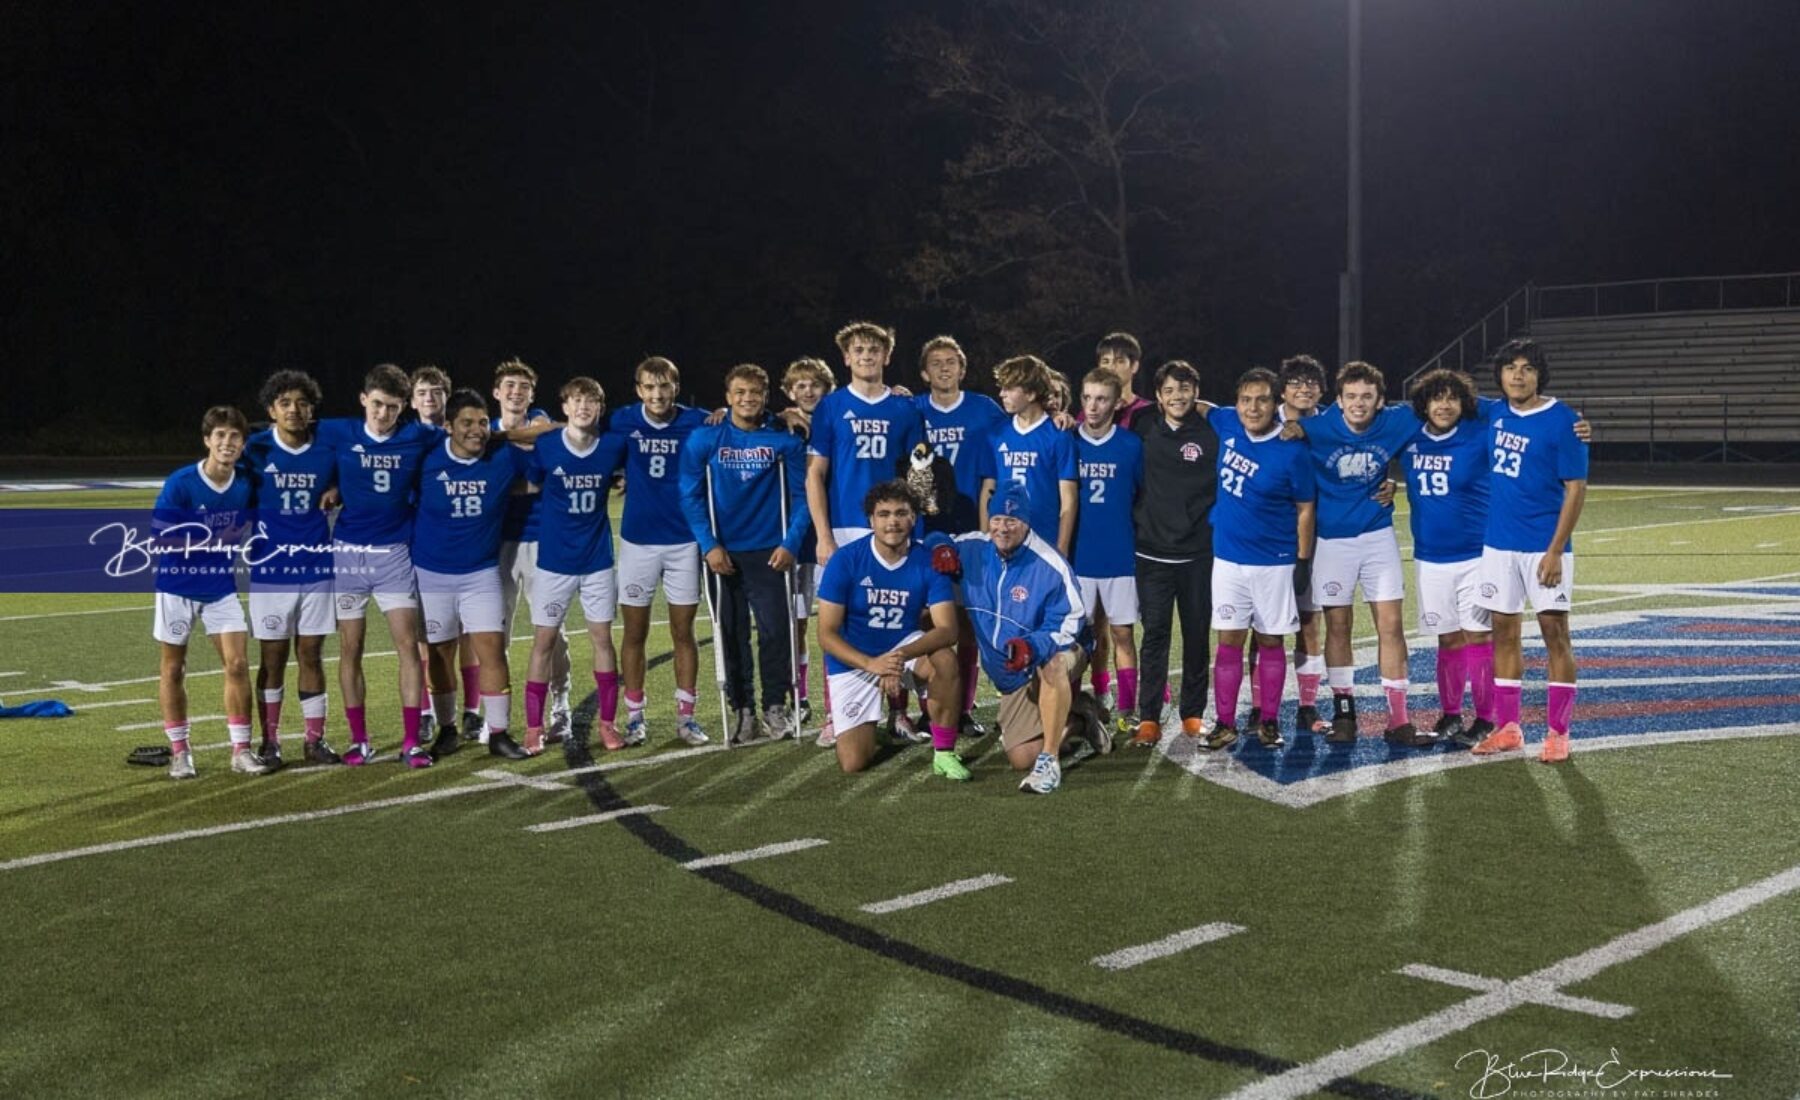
(1343, 720)
(1556, 748)
(360, 753)
(319, 752)
(689, 731)
(1124, 726)
(1406, 735)
(246, 763)
(500, 743)
(1251, 719)
(1195, 727)
(557, 731)
(1148, 734)
(805, 713)
(1307, 720)
(1472, 734)
(1045, 777)
(1448, 727)
(1505, 739)
(534, 742)
(637, 731)
(418, 756)
(446, 742)
(1221, 737)
(946, 763)
(902, 729)
(1268, 731)
(181, 765)
(269, 752)
(149, 756)
(777, 723)
(474, 727)
(972, 727)
(608, 734)
(827, 736)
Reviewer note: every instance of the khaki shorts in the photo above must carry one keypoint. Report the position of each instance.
(1020, 721)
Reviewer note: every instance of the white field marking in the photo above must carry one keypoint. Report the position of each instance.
(60, 486)
(1549, 997)
(1597, 542)
(1767, 545)
(1346, 1061)
(1652, 490)
(1681, 542)
(114, 703)
(748, 854)
(593, 819)
(936, 893)
(156, 725)
(69, 614)
(1709, 520)
(6, 674)
(647, 761)
(1224, 769)
(241, 826)
(1420, 687)
(1128, 957)
(536, 783)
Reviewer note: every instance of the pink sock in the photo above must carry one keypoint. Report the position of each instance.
(1560, 707)
(177, 733)
(968, 661)
(942, 737)
(1101, 680)
(1450, 679)
(1168, 696)
(684, 703)
(1506, 701)
(471, 676)
(1396, 700)
(607, 684)
(1478, 666)
(1308, 681)
(271, 715)
(1228, 680)
(1127, 691)
(315, 728)
(1271, 673)
(536, 692)
(409, 726)
(1253, 654)
(359, 729)
(800, 677)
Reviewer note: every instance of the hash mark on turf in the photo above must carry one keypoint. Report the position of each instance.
(1128, 957)
(538, 783)
(593, 819)
(748, 854)
(936, 893)
(1548, 997)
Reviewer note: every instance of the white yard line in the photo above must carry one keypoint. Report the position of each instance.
(936, 893)
(1126, 958)
(535, 782)
(745, 856)
(593, 819)
(241, 826)
(1548, 998)
(1529, 989)
(69, 614)
(156, 725)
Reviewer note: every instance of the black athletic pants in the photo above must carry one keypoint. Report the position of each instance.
(754, 587)
(1162, 589)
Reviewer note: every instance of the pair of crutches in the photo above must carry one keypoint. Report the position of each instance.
(714, 597)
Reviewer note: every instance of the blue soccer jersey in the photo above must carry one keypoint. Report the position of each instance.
(574, 534)
(522, 512)
(1112, 472)
(1261, 479)
(199, 527)
(1530, 455)
(653, 515)
(1349, 466)
(1447, 489)
(882, 603)
(378, 478)
(1040, 458)
(963, 435)
(865, 440)
(291, 541)
(462, 504)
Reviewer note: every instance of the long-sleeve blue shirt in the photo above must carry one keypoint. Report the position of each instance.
(746, 470)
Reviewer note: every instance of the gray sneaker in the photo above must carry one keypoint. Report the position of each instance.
(743, 726)
(777, 722)
(243, 763)
(181, 766)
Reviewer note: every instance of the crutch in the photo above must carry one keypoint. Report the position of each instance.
(726, 726)
(787, 591)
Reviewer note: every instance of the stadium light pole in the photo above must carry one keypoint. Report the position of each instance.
(1350, 279)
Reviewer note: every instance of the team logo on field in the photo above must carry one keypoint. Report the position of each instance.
(1333, 588)
(635, 591)
(346, 603)
(1191, 452)
(273, 622)
(1018, 593)
(1489, 589)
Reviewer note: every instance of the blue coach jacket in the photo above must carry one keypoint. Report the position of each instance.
(1031, 595)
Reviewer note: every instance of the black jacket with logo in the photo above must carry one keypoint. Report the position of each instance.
(1181, 476)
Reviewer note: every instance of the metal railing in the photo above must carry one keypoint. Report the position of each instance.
(1721, 421)
(1499, 325)
(1689, 294)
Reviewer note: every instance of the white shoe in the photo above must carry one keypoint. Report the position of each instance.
(904, 730)
(688, 729)
(244, 763)
(777, 722)
(557, 729)
(181, 766)
(743, 726)
(1045, 777)
(827, 736)
(637, 731)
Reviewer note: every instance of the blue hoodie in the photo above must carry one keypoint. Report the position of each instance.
(746, 487)
(1031, 594)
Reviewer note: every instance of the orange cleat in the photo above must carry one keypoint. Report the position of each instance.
(1191, 727)
(1505, 739)
(1556, 748)
(1148, 734)
(609, 736)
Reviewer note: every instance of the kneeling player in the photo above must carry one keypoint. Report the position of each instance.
(870, 598)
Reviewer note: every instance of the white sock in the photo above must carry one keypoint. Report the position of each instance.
(496, 709)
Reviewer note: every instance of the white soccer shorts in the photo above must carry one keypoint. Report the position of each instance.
(175, 617)
(1371, 559)
(460, 603)
(806, 588)
(676, 566)
(1258, 597)
(1447, 597)
(285, 610)
(1117, 596)
(518, 577)
(556, 593)
(1509, 578)
(856, 697)
(383, 572)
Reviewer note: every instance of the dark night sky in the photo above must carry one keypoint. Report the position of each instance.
(194, 200)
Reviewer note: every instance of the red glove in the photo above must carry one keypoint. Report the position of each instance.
(1018, 655)
(945, 560)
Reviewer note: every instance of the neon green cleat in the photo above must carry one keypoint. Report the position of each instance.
(946, 763)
